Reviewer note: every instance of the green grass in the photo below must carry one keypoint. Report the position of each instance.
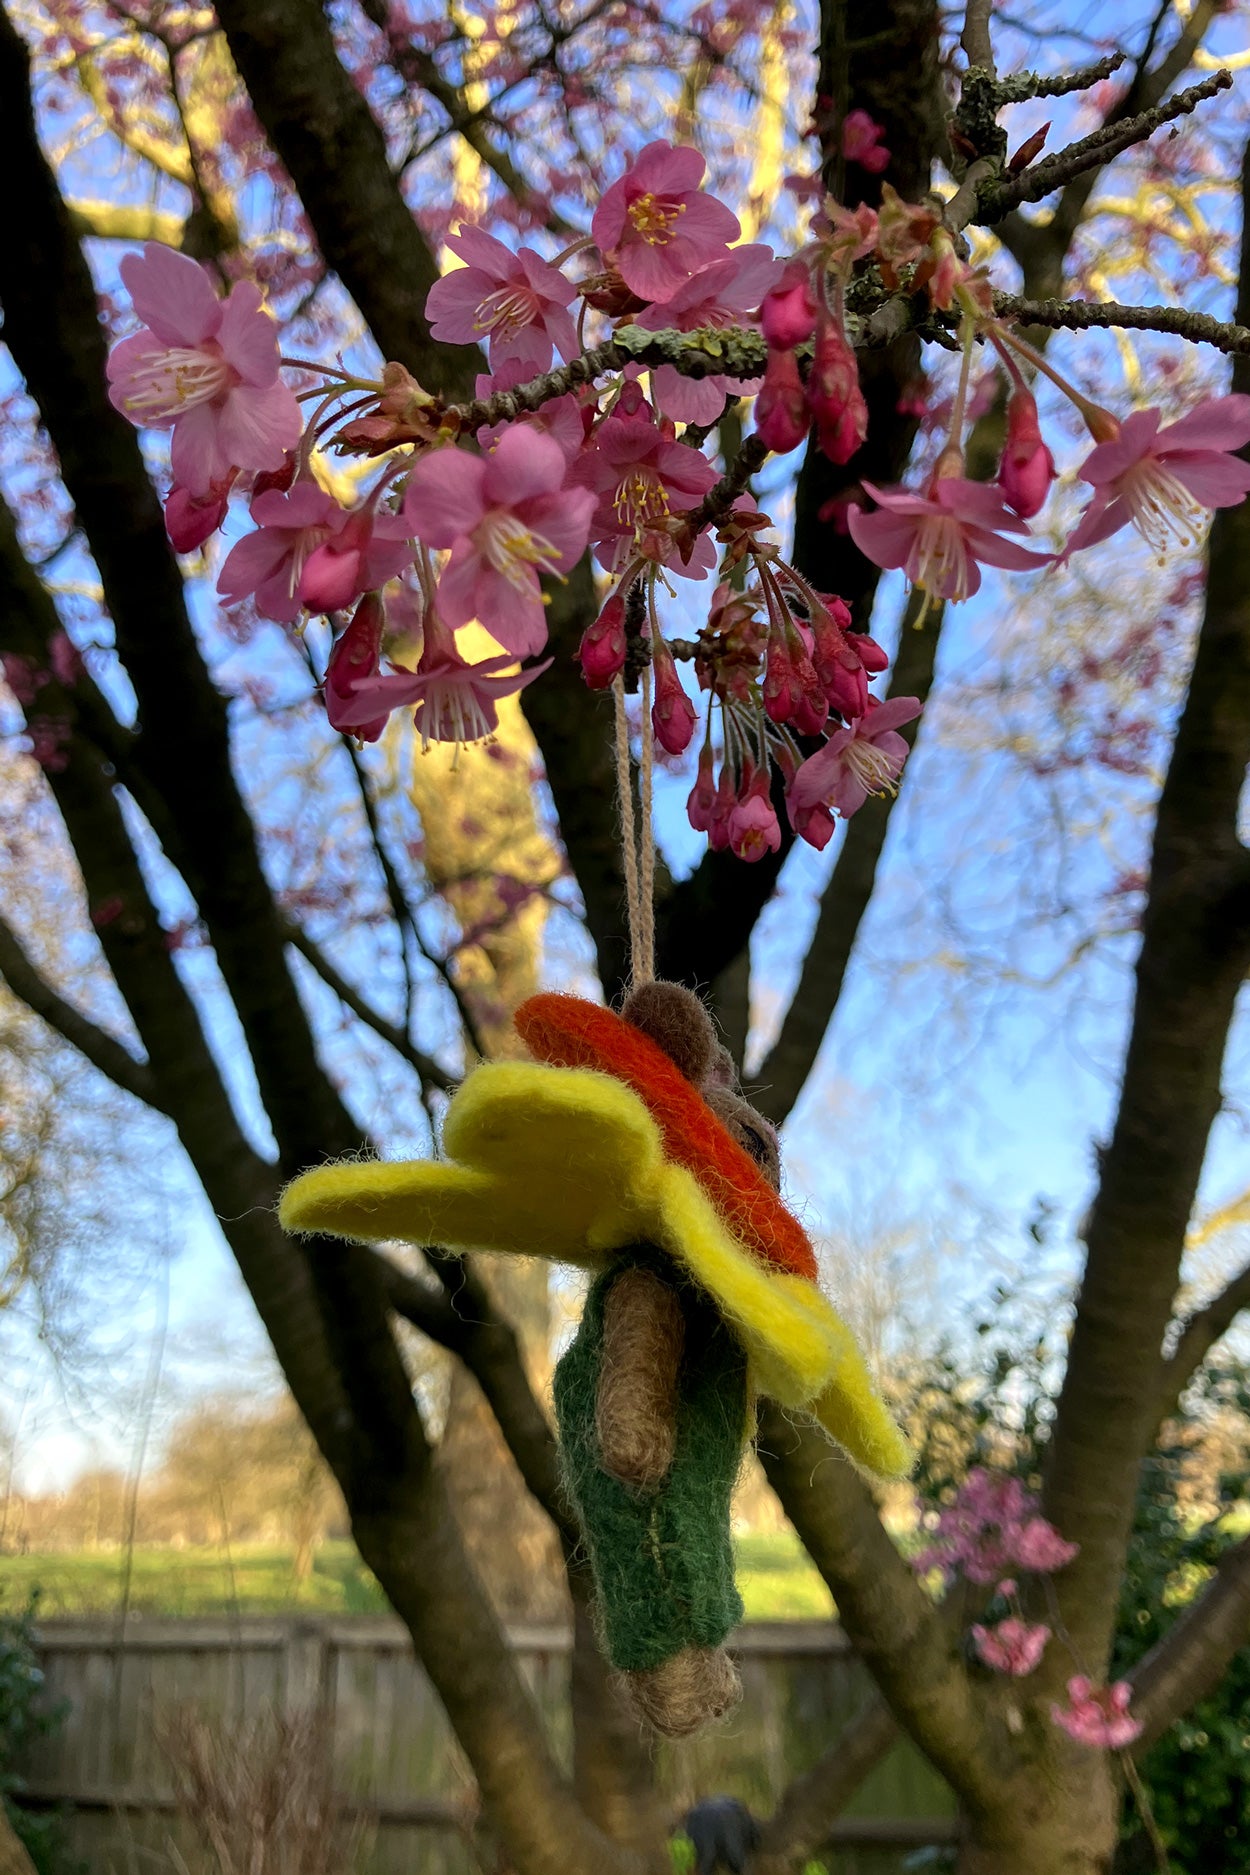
(777, 1581)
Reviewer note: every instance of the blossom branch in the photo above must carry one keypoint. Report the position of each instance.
(1079, 315)
(1094, 151)
(1016, 88)
(800, 1824)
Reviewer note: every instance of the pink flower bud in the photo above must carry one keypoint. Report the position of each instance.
(601, 653)
(332, 574)
(1027, 468)
(788, 313)
(189, 520)
(833, 393)
(357, 654)
(701, 805)
(672, 714)
(781, 418)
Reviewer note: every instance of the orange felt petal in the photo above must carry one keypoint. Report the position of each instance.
(567, 1032)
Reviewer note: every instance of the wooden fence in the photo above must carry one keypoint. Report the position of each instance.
(394, 1756)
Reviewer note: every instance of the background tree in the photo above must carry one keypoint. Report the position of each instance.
(220, 889)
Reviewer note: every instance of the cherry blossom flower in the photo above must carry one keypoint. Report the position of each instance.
(861, 142)
(844, 660)
(1011, 1646)
(941, 538)
(273, 562)
(1098, 1716)
(1027, 468)
(865, 758)
(642, 477)
(656, 226)
(506, 518)
(722, 294)
(454, 700)
(1038, 1546)
(753, 828)
(518, 301)
(672, 713)
(206, 367)
(994, 1526)
(1164, 480)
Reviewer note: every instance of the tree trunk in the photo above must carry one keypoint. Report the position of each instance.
(1056, 1818)
(13, 1858)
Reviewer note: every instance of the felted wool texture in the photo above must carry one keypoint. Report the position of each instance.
(636, 1405)
(569, 1164)
(677, 1022)
(569, 1032)
(662, 1561)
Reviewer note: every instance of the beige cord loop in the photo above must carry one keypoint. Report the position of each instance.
(639, 876)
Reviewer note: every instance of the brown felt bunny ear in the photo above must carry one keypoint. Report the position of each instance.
(675, 1019)
(677, 1022)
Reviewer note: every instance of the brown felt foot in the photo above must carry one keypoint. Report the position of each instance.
(686, 1692)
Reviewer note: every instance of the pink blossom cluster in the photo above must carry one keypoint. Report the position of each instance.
(993, 1526)
(1098, 1716)
(467, 517)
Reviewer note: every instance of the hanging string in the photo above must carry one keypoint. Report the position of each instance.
(639, 872)
(644, 964)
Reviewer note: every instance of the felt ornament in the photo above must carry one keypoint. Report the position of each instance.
(624, 1148)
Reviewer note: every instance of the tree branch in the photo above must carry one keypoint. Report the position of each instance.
(431, 1073)
(461, 1317)
(1194, 954)
(1189, 1661)
(320, 125)
(799, 1827)
(901, 1636)
(1093, 152)
(95, 1044)
(1199, 1335)
(1079, 315)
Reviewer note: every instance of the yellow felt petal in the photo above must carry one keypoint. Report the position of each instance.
(850, 1412)
(552, 1128)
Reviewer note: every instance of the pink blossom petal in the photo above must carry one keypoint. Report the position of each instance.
(652, 272)
(884, 537)
(258, 427)
(1214, 479)
(444, 498)
(995, 551)
(687, 400)
(197, 454)
(1108, 461)
(457, 584)
(514, 617)
(1216, 423)
(526, 463)
(663, 168)
(248, 336)
(172, 294)
(563, 520)
(252, 560)
(1103, 517)
(480, 249)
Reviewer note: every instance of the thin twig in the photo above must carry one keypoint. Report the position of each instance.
(1097, 149)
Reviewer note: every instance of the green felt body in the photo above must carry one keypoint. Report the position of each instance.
(662, 1560)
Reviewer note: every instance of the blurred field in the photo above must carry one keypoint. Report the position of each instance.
(777, 1581)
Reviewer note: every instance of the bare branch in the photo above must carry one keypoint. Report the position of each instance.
(1199, 1335)
(97, 1045)
(1080, 315)
(462, 1318)
(901, 1636)
(800, 1825)
(1189, 1661)
(975, 40)
(1095, 151)
(431, 1073)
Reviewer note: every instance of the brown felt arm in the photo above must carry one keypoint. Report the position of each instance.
(636, 1409)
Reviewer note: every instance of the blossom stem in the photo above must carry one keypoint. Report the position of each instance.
(1095, 416)
(1141, 1798)
(954, 439)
